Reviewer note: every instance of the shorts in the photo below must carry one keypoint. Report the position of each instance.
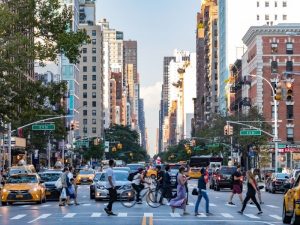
(236, 189)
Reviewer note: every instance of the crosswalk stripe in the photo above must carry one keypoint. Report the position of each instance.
(25, 206)
(175, 215)
(69, 215)
(202, 215)
(44, 206)
(276, 217)
(122, 214)
(252, 206)
(273, 206)
(148, 214)
(251, 216)
(96, 215)
(191, 204)
(87, 204)
(226, 215)
(212, 204)
(43, 216)
(18, 217)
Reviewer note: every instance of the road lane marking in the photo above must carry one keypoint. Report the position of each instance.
(144, 221)
(150, 220)
(43, 216)
(96, 215)
(148, 214)
(87, 204)
(226, 215)
(276, 217)
(175, 215)
(43, 206)
(18, 217)
(84, 196)
(25, 206)
(212, 204)
(202, 215)
(70, 215)
(122, 214)
(252, 206)
(251, 216)
(273, 206)
(191, 204)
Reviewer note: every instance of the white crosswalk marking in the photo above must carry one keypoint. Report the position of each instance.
(175, 215)
(122, 214)
(226, 215)
(96, 215)
(251, 216)
(25, 206)
(18, 217)
(44, 206)
(191, 204)
(202, 215)
(273, 206)
(87, 204)
(148, 214)
(69, 215)
(43, 216)
(276, 217)
(252, 206)
(212, 204)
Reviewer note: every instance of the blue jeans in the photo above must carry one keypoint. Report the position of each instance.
(203, 194)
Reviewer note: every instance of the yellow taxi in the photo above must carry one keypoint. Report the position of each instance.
(291, 203)
(194, 172)
(85, 177)
(152, 172)
(23, 188)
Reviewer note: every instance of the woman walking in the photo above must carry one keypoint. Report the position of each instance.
(252, 189)
(202, 193)
(180, 200)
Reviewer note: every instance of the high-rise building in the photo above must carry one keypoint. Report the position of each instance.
(142, 125)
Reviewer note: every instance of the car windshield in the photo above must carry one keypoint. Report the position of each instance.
(122, 168)
(174, 171)
(22, 179)
(227, 170)
(49, 177)
(135, 167)
(85, 172)
(118, 176)
(282, 176)
(97, 176)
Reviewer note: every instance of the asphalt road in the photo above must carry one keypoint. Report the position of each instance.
(90, 212)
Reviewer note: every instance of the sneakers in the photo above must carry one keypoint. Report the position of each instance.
(209, 214)
(186, 213)
(260, 212)
(109, 213)
(240, 212)
(197, 214)
(231, 203)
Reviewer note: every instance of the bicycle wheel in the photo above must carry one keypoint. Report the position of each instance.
(127, 198)
(153, 198)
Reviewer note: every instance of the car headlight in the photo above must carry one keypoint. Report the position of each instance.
(101, 187)
(4, 190)
(91, 178)
(33, 190)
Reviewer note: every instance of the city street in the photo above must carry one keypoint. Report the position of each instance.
(90, 212)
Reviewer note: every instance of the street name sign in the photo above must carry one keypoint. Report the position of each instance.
(44, 126)
(250, 132)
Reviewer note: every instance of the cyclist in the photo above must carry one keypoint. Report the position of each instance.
(137, 184)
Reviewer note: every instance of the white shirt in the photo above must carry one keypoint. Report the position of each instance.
(70, 176)
(110, 173)
(137, 179)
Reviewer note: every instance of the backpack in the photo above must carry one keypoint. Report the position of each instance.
(131, 176)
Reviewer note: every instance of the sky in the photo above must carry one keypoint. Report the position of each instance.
(159, 27)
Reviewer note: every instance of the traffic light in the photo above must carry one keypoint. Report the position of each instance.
(226, 130)
(76, 125)
(114, 149)
(97, 141)
(72, 125)
(289, 91)
(230, 130)
(278, 91)
(119, 146)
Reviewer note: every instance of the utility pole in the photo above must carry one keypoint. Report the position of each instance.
(9, 144)
(63, 152)
(49, 152)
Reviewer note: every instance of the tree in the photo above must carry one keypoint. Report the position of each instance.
(94, 152)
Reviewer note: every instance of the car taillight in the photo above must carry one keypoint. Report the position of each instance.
(219, 177)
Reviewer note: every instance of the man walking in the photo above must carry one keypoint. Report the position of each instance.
(202, 193)
(166, 188)
(237, 185)
(111, 185)
(160, 177)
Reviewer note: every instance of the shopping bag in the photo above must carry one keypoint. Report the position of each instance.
(58, 184)
(63, 194)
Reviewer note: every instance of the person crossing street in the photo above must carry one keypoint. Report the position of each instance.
(111, 185)
(202, 193)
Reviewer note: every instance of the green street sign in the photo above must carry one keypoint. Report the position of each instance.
(281, 146)
(83, 143)
(250, 132)
(213, 145)
(44, 126)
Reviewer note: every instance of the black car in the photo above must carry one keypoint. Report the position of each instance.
(276, 182)
(93, 185)
(50, 177)
(223, 178)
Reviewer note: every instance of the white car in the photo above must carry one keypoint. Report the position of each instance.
(122, 184)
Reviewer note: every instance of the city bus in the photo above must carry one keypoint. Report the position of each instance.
(197, 162)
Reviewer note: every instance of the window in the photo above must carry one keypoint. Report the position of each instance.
(284, 4)
(290, 133)
(94, 94)
(94, 104)
(84, 86)
(257, 17)
(84, 103)
(284, 17)
(266, 3)
(84, 59)
(94, 59)
(274, 48)
(94, 68)
(216, 44)
(84, 69)
(216, 87)
(94, 130)
(93, 32)
(93, 50)
(84, 121)
(216, 76)
(274, 67)
(257, 4)
(275, 4)
(289, 111)
(267, 17)
(84, 130)
(84, 50)
(93, 121)
(289, 66)
(85, 112)
(84, 95)
(216, 65)
(275, 17)
(94, 86)
(289, 48)
(94, 113)
(94, 77)
(84, 77)
(93, 41)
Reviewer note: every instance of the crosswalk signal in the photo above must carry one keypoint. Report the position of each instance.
(226, 130)
(119, 146)
(72, 125)
(230, 130)
(278, 91)
(289, 91)
(76, 125)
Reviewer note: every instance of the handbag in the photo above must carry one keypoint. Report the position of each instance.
(63, 194)
(195, 191)
(58, 184)
(261, 187)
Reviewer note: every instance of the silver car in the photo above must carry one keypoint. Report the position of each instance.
(122, 184)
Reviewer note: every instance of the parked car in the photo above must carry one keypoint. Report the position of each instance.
(26, 187)
(85, 176)
(276, 182)
(223, 178)
(122, 168)
(291, 203)
(50, 177)
(122, 184)
(94, 184)
(134, 167)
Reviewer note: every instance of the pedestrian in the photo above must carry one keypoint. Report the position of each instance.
(256, 173)
(64, 194)
(166, 186)
(237, 185)
(73, 191)
(111, 185)
(251, 191)
(202, 193)
(186, 185)
(159, 181)
(138, 184)
(180, 200)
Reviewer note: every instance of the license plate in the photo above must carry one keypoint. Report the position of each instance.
(19, 196)
(48, 193)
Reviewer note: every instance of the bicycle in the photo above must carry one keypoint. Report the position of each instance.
(128, 197)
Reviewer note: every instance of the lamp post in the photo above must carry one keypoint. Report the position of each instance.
(275, 121)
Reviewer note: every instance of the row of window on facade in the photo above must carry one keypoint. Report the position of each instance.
(288, 67)
(85, 69)
(85, 121)
(85, 59)
(85, 103)
(85, 77)
(289, 112)
(85, 86)
(85, 130)
(84, 50)
(85, 112)
(288, 48)
(267, 17)
(267, 4)
(85, 95)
